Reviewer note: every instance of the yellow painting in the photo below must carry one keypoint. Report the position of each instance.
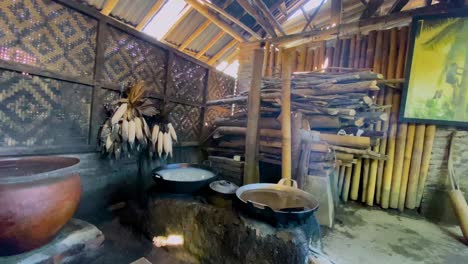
(437, 89)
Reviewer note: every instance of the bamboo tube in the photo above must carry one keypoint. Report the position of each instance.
(370, 195)
(352, 51)
(365, 179)
(341, 180)
(460, 208)
(347, 183)
(356, 180)
(336, 54)
(302, 53)
(426, 158)
(402, 128)
(286, 113)
(343, 52)
(347, 141)
(364, 48)
(309, 59)
(278, 62)
(406, 165)
(251, 170)
(316, 59)
(387, 95)
(370, 51)
(415, 167)
(266, 59)
(357, 51)
(393, 125)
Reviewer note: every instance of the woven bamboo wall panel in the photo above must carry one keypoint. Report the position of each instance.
(48, 35)
(186, 121)
(127, 59)
(186, 80)
(39, 111)
(220, 85)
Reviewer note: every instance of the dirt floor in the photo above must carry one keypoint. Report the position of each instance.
(363, 235)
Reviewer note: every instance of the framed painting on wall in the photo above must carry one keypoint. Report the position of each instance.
(436, 91)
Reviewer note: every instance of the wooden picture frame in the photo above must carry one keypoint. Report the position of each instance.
(436, 88)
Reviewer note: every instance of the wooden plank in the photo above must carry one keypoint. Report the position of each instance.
(151, 13)
(109, 6)
(220, 53)
(209, 45)
(204, 10)
(194, 35)
(251, 170)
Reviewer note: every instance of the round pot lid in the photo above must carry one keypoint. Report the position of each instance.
(223, 186)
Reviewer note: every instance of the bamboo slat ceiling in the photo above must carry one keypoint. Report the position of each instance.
(207, 40)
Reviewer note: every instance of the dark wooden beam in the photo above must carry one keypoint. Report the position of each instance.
(269, 16)
(263, 23)
(371, 8)
(335, 11)
(397, 6)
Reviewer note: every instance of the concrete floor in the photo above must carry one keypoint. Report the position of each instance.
(362, 235)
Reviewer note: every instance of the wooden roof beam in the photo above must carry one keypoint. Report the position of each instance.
(309, 19)
(109, 6)
(177, 23)
(269, 16)
(220, 53)
(209, 45)
(371, 8)
(335, 11)
(153, 11)
(204, 10)
(397, 6)
(231, 18)
(263, 23)
(195, 34)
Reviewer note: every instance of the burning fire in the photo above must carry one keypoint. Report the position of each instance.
(171, 240)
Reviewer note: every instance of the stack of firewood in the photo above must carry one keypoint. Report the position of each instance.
(339, 107)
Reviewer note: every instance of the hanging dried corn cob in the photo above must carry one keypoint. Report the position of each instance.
(136, 125)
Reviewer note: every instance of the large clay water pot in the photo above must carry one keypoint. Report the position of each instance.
(38, 195)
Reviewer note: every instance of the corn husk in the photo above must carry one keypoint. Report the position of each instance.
(160, 143)
(119, 113)
(124, 133)
(154, 134)
(139, 130)
(146, 128)
(167, 144)
(108, 142)
(172, 132)
(131, 132)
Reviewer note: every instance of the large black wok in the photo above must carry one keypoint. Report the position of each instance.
(277, 204)
(183, 177)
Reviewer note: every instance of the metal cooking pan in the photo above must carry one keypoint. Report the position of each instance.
(187, 183)
(278, 204)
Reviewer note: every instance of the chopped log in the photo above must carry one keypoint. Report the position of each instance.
(323, 121)
(263, 123)
(346, 141)
(345, 157)
(416, 157)
(406, 166)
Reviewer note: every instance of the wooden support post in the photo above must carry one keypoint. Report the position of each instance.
(265, 58)
(415, 168)
(286, 113)
(251, 173)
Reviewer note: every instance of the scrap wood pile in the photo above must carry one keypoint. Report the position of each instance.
(341, 106)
